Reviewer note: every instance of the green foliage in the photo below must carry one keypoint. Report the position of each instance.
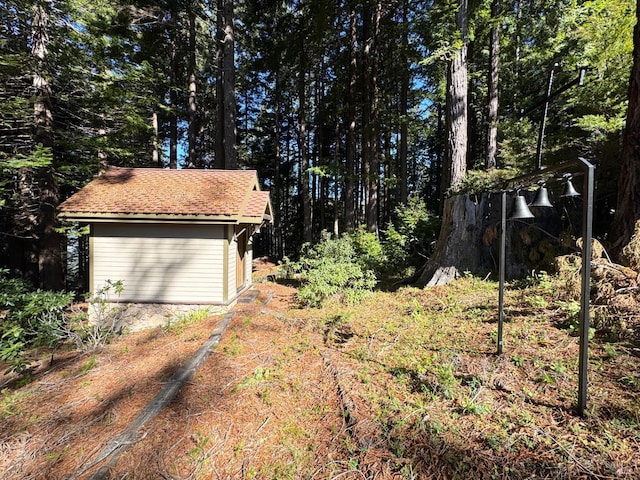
(409, 240)
(332, 267)
(33, 318)
(368, 249)
(478, 181)
(39, 157)
(104, 318)
(29, 318)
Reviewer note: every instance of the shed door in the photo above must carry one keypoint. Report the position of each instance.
(241, 242)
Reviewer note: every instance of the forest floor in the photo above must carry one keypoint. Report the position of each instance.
(406, 385)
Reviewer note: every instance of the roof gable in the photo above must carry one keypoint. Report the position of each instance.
(130, 193)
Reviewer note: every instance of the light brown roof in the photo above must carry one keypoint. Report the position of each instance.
(223, 195)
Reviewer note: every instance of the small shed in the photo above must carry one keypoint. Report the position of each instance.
(171, 236)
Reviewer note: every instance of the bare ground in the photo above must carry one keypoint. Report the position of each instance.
(55, 426)
(290, 393)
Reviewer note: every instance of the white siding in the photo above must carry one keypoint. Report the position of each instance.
(160, 263)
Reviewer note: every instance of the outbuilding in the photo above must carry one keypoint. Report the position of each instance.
(179, 237)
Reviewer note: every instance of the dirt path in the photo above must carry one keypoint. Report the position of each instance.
(265, 403)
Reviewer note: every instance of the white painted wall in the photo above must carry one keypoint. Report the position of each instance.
(161, 263)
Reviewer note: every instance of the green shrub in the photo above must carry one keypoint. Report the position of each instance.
(28, 318)
(332, 268)
(91, 330)
(368, 250)
(409, 240)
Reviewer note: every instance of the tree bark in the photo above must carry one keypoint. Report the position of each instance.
(371, 159)
(494, 71)
(455, 161)
(173, 110)
(469, 237)
(219, 161)
(448, 259)
(192, 106)
(278, 184)
(460, 237)
(404, 108)
(50, 268)
(303, 145)
(350, 178)
(628, 201)
(228, 87)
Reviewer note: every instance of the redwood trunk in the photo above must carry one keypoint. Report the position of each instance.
(404, 108)
(455, 166)
(192, 107)
(50, 269)
(628, 203)
(307, 229)
(349, 189)
(219, 161)
(494, 71)
(371, 159)
(228, 87)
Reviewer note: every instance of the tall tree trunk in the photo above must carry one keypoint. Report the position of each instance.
(192, 107)
(50, 269)
(628, 203)
(385, 210)
(371, 150)
(404, 107)
(155, 146)
(228, 87)
(515, 100)
(443, 265)
(336, 162)
(277, 210)
(303, 145)
(219, 161)
(494, 71)
(173, 108)
(350, 177)
(455, 161)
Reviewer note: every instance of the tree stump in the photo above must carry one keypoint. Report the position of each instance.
(469, 237)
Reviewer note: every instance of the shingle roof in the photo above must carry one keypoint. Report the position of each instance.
(147, 192)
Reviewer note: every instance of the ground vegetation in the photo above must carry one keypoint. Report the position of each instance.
(405, 385)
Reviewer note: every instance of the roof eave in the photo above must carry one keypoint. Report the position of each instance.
(97, 217)
(257, 220)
